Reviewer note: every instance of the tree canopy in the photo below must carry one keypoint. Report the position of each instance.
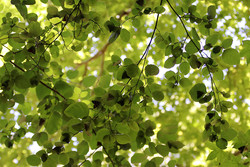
(124, 83)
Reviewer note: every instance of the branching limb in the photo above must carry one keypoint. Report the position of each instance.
(44, 84)
(213, 85)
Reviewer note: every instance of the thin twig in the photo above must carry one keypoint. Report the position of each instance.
(146, 50)
(87, 157)
(213, 85)
(44, 84)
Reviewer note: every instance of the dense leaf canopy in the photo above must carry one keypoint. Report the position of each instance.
(124, 83)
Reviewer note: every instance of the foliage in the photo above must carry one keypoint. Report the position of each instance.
(123, 83)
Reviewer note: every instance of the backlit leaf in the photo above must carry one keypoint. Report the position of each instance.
(138, 158)
(53, 123)
(192, 47)
(123, 138)
(184, 68)
(125, 35)
(228, 134)
(77, 110)
(231, 56)
(33, 160)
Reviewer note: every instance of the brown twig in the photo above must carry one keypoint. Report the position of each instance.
(98, 54)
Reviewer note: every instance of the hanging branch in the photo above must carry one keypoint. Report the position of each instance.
(214, 87)
(98, 54)
(103, 50)
(44, 84)
(144, 56)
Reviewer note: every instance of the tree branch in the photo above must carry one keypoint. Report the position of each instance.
(44, 84)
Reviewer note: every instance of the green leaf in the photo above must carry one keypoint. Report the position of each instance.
(211, 12)
(150, 164)
(184, 68)
(192, 47)
(136, 23)
(169, 74)
(198, 91)
(98, 156)
(83, 148)
(221, 143)
(123, 138)
(33, 160)
(227, 43)
(138, 158)
(212, 155)
(42, 91)
(22, 9)
(125, 35)
(35, 29)
(151, 69)
(159, 9)
(157, 160)
(64, 88)
(162, 149)
(132, 70)
(21, 82)
(77, 110)
(194, 62)
(212, 39)
(123, 128)
(231, 56)
(227, 104)
(228, 134)
(89, 81)
(99, 92)
(52, 10)
(219, 75)
(158, 95)
(53, 123)
(101, 133)
(195, 34)
(185, 82)
(63, 159)
(172, 163)
(105, 81)
(170, 62)
(29, 2)
(114, 36)
(19, 98)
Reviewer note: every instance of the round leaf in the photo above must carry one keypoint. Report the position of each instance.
(83, 148)
(132, 70)
(170, 62)
(125, 35)
(33, 160)
(227, 43)
(123, 139)
(138, 158)
(221, 143)
(198, 91)
(89, 81)
(158, 95)
(229, 134)
(151, 69)
(231, 56)
(64, 88)
(77, 110)
(184, 68)
(192, 47)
